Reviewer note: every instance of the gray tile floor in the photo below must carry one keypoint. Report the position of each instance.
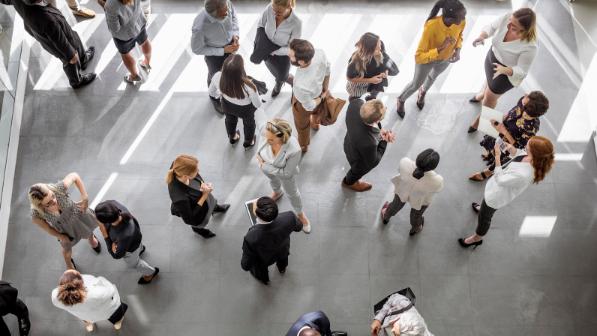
(512, 285)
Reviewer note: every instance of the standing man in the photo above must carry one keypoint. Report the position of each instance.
(10, 304)
(365, 141)
(313, 324)
(49, 27)
(268, 241)
(310, 87)
(215, 35)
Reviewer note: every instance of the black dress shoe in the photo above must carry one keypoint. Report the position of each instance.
(205, 233)
(85, 80)
(277, 89)
(221, 207)
(249, 145)
(471, 129)
(89, 53)
(400, 109)
(142, 280)
(465, 245)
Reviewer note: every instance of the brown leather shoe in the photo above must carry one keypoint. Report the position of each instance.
(358, 186)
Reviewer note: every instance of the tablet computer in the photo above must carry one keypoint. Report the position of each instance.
(249, 207)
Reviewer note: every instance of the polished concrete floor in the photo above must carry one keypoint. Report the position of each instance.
(534, 275)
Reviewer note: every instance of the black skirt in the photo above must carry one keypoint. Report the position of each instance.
(499, 85)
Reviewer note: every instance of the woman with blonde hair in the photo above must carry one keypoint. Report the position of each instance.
(89, 298)
(56, 213)
(281, 25)
(191, 196)
(278, 157)
(369, 68)
(513, 49)
(527, 167)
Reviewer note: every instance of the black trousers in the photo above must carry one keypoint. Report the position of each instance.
(484, 219)
(214, 64)
(416, 216)
(246, 113)
(279, 66)
(119, 313)
(73, 71)
(355, 173)
(20, 311)
(260, 271)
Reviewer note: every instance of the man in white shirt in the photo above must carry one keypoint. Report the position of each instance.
(310, 87)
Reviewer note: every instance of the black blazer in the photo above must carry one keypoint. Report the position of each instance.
(262, 47)
(184, 202)
(363, 145)
(8, 298)
(49, 27)
(317, 320)
(127, 235)
(265, 243)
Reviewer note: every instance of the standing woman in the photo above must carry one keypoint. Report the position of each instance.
(281, 26)
(279, 156)
(416, 184)
(239, 98)
(89, 298)
(55, 212)
(513, 49)
(191, 196)
(531, 166)
(369, 68)
(439, 46)
(126, 22)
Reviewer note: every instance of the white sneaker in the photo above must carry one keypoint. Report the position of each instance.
(307, 228)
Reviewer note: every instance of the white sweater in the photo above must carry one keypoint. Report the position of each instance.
(416, 192)
(517, 54)
(101, 302)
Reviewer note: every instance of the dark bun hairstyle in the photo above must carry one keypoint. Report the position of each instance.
(427, 160)
(266, 209)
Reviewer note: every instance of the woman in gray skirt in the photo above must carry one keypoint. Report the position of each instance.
(55, 212)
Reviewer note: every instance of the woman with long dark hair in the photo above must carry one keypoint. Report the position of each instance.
(439, 46)
(530, 166)
(513, 49)
(416, 184)
(239, 98)
(369, 68)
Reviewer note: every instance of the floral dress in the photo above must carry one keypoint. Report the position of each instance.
(71, 221)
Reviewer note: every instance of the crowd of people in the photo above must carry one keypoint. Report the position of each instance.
(516, 159)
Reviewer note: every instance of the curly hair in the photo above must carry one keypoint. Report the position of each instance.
(537, 105)
(71, 289)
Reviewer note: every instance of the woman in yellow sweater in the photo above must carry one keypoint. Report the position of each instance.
(439, 46)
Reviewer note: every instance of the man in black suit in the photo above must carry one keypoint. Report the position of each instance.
(268, 241)
(10, 304)
(49, 27)
(313, 324)
(365, 141)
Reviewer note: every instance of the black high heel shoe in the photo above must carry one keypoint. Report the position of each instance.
(235, 138)
(249, 145)
(465, 245)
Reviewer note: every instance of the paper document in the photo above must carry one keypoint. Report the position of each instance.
(485, 126)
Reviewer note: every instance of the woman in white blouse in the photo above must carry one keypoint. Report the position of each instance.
(89, 298)
(396, 318)
(281, 26)
(239, 98)
(527, 167)
(513, 49)
(279, 156)
(416, 184)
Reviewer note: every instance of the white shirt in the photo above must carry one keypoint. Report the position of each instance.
(416, 192)
(308, 82)
(288, 30)
(517, 54)
(507, 184)
(101, 301)
(251, 98)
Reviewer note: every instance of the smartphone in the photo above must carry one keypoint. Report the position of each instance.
(503, 145)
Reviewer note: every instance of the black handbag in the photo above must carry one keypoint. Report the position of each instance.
(261, 86)
(407, 292)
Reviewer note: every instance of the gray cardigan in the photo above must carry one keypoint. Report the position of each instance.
(124, 22)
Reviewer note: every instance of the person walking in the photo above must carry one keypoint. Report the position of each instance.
(11, 304)
(508, 61)
(127, 23)
(123, 237)
(191, 196)
(57, 214)
(365, 141)
(310, 87)
(239, 99)
(439, 46)
(278, 157)
(416, 183)
(527, 167)
(91, 299)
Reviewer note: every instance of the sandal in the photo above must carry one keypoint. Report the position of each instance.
(478, 177)
(145, 67)
(129, 79)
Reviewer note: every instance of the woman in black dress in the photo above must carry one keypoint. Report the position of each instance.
(518, 125)
(191, 196)
(369, 68)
